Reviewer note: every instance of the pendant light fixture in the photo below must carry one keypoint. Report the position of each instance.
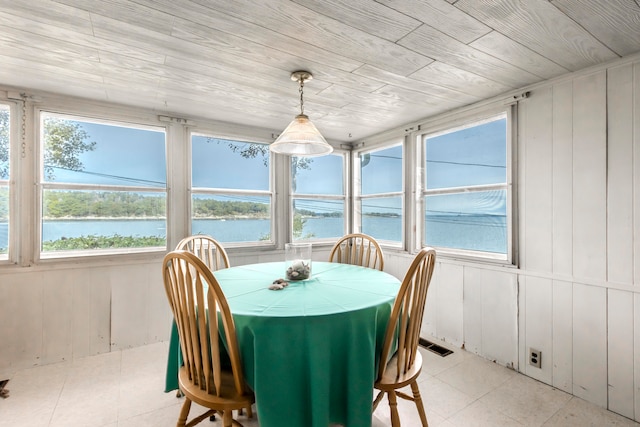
(301, 138)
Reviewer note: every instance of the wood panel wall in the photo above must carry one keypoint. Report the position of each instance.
(58, 314)
(577, 292)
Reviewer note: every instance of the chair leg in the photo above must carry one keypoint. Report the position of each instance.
(184, 412)
(377, 400)
(418, 401)
(393, 405)
(227, 418)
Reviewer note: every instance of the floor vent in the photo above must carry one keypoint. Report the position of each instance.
(437, 349)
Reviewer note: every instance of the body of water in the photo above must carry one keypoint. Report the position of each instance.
(473, 232)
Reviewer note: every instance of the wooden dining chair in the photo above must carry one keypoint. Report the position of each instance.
(202, 315)
(208, 249)
(358, 249)
(402, 334)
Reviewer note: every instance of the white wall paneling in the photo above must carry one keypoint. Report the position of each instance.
(444, 310)
(57, 307)
(430, 318)
(537, 181)
(562, 160)
(562, 332)
(21, 312)
(620, 350)
(590, 343)
(138, 296)
(522, 330)
(472, 314)
(94, 309)
(589, 176)
(63, 313)
(449, 290)
(579, 308)
(538, 299)
(490, 314)
(619, 248)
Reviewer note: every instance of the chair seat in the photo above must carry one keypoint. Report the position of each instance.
(229, 399)
(391, 380)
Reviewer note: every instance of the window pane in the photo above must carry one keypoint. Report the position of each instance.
(92, 153)
(317, 219)
(381, 171)
(221, 163)
(4, 179)
(89, 220)
(4, 219)
(318, 175)
(233, 218)
(382, 218)
(473, 221)
(474, 155)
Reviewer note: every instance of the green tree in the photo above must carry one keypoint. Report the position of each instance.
(64, 141)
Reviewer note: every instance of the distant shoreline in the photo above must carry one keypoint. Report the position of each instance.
(145, 218)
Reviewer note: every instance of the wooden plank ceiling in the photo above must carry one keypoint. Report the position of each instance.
(377, 65)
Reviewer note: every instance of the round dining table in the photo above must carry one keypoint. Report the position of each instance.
(310, 350)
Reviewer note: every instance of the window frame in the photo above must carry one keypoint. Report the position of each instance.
(402, 193)
(42, 185)
(347, 214)
(13, 241)
(452, 124)
(215, 191)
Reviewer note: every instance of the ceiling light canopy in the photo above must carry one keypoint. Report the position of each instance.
(301, 137)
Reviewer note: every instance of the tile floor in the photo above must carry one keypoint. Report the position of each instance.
(125, 389)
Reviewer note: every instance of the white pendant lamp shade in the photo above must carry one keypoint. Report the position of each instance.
(301, 138)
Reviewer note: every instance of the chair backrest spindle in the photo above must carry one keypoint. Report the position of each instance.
(407, 313)
(207, 249)
(358, 249)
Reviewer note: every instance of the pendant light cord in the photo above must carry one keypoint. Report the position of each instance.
(301, 97)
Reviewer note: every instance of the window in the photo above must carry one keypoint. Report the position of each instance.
(380, 200)
(103, 187)
(4, 180)
(231, 190)
(318, 197)
(465, 188)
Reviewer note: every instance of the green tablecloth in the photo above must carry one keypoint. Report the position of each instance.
(309, 351)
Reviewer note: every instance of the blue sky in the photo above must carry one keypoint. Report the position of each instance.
(122, 156)
(470, 156)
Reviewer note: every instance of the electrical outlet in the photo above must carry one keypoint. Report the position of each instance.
(535, 358)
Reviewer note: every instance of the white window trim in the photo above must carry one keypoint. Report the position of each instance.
(213, 191)
(13, 242)
(42, 185)
(357, 197)
(345, 198)
(456, 122)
